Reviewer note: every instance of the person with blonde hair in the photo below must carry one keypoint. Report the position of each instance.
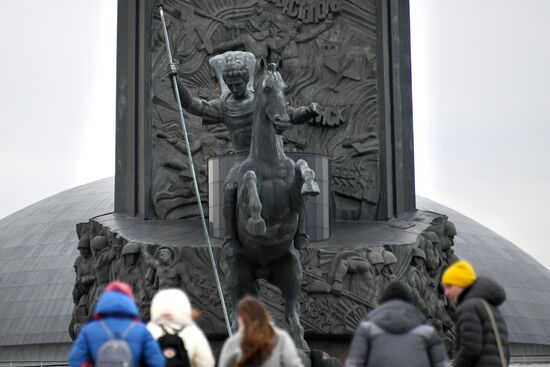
(172, 315)
(258, 342)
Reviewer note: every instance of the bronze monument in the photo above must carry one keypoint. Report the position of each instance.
(346, 65)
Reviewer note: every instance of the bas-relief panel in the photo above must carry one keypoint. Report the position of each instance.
(328, 48)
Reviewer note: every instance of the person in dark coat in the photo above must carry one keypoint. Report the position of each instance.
(475, 343)
(396, 334)
(117, 309)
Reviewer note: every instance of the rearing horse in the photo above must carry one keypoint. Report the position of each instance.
(272, 190)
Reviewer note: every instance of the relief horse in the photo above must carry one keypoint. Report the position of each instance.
(272, 191)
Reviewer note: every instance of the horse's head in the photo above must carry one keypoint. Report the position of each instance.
(270, 92)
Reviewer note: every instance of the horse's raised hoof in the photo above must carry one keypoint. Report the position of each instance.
(310, 188)
(256, 227)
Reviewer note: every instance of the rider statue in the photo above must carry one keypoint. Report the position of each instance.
(235, 109)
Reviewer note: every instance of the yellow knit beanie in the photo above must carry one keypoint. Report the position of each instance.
(461, 274)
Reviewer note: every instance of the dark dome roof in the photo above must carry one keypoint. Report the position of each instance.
(37, 253)
(38, 249)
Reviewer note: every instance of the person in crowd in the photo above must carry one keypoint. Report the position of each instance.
(116, 317)
(258, 342)
(479, 342)
(396, 334)
(172, 315)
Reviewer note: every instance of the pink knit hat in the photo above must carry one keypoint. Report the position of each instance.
(121, 287)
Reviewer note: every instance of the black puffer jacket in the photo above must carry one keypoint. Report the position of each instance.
(476, 344)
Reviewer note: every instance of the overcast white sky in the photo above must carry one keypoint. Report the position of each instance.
(481, 79)
(57, 97)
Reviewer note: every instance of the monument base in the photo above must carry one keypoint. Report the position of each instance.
(342, 277)
(324, 353)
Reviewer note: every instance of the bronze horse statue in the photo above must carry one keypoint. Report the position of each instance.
(272, 190)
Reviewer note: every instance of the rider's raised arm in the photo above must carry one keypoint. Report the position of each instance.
(303, 114)
(193, 105)
(211, 112)
(188, 102)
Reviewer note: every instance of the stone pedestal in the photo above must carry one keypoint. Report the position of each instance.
(326, 314)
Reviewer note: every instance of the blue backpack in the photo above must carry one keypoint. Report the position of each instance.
(115, 352)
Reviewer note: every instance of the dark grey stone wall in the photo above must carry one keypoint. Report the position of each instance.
(133, 166)
(395, 93)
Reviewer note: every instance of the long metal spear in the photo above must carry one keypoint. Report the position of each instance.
(195, 182)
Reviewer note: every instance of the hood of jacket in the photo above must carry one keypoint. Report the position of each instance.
(486, 289)
(396, 317)
(116, 304)
(171, 307)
